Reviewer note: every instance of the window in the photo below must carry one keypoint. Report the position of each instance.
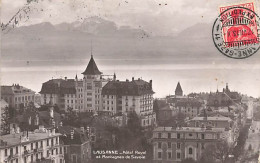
(47, 142)
(60, 150)
(74, 158)
(178, 155)
(178, 135)
(169, 144)
(16, 150)
(41, 144)
(190, 151)
(159, 135)
(169, 135)
(178, 145)
(25, 160)
(31, 158)
(5, 152)
(57, 140)
(202, 146)
(60, 160)
(159, 154)
(190, 134)
(31, 146)
(202, 136)
(169, 155)
(159, 145)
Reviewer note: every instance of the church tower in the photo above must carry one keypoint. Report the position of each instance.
(92, 86)
(178, 90)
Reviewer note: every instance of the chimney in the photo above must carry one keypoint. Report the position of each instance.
(151, 83)
(65, 78)
(127, 80)
(133, 78)
(71, 134)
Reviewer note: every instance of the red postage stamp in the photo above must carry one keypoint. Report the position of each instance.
(236, 31)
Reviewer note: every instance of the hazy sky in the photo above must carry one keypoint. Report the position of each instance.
(171, 16)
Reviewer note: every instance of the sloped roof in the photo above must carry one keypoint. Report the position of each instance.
(131, 88)
(59, 86)
(92, 68)
(178, 88)
(212, 119)
(6, 90)
(189, 102)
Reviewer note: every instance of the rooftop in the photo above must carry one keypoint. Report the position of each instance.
(211, 119)
(92, 68)
(59, 86)
(134, 87)
(14, 139)
(14, 89)
(188, 129)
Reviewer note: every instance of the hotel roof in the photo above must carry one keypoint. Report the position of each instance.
(92, 68)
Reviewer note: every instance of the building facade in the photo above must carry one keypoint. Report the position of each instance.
(189, 107)
(224, 98)
(176, 144)
(42, 145)
(78, 94)
(17, 96)
(77, 146)
(126, 96)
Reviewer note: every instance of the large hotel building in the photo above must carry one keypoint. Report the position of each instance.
(94, 93)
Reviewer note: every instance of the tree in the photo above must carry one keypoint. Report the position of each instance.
(216, 152)
(5, 121)
(133, 123)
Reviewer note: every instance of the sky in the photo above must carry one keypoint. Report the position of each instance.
(180, 47)
(170, 16)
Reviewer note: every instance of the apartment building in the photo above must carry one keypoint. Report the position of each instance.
(17, 96)
(26, 147)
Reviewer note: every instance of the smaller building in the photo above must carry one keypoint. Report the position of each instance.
(41, 145)
(215, 122)
(77, 145)
(189, 107)
(17, 96)
(176, 144)
(224, 98)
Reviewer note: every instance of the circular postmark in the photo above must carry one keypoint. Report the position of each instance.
(236, 32)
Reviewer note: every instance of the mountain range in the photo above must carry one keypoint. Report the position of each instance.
(46, 44)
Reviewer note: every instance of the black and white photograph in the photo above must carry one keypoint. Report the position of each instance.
(130, 81)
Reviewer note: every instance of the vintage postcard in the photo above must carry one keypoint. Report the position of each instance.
(130, 81)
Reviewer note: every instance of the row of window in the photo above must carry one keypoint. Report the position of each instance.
(169, 136)
(23, 98)
(169, 155)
